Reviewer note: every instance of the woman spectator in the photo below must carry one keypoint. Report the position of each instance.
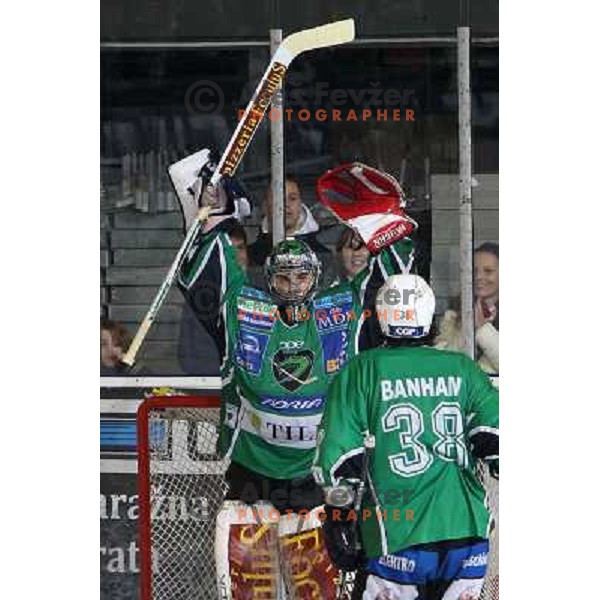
(352, 252)
(486, 309)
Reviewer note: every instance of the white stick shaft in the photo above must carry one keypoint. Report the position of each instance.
(140, 336)
(253, 115)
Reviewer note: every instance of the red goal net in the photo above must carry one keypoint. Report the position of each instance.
(181, 489)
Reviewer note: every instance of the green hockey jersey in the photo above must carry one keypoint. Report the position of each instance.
(274, 374)
(427, 409)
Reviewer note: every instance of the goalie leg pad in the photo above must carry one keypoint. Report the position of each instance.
(246, 552)
(307, 568)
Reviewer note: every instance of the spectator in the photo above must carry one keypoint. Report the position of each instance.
(486, 309)
(299, 223)
(196, 352)
(352, 252)
(114, 341)
(240, 243)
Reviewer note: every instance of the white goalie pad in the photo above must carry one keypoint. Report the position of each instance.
(272, 555)
(246, 551)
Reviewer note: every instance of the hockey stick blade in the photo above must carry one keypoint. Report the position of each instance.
(331, 34)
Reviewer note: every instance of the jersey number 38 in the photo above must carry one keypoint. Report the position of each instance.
(414, 457)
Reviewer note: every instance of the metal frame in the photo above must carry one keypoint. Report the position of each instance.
(465, 183)
(434, 40)
(277, 224)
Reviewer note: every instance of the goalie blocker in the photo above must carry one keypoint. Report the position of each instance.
(369, 201)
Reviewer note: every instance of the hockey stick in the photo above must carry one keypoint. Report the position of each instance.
(293, 45)
(369, 444)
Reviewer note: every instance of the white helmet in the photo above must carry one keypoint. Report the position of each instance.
(405, 307)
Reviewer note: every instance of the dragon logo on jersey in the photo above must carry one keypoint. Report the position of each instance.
(293, 369)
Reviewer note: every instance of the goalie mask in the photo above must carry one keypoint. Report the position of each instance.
(405, 307)
(292, 271)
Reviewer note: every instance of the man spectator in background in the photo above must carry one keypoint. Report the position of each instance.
(299, 223)
(240, 243)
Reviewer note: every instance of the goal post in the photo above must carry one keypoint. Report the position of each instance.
(181, 488)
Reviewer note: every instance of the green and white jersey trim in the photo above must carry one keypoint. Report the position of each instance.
(341, 460)
(484, 429)
(405, 268)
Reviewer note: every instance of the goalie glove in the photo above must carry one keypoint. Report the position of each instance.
(369, 201)
(191, 176)
(341, 538)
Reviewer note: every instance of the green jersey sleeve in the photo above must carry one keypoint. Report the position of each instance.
(482, 412)
(210, 277)
(339, 450)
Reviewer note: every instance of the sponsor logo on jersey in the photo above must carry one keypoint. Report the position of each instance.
(281, 429)
(259, 314)
(477, 560)
(334, 300)
(293, 405)
(335, 349)
(291, 344)
(293, 369)
(398, 563)
(472, 567)
(249, 343)
(256, 306)
(250, 350)
(335, 317)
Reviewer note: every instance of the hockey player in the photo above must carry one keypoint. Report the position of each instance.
(428, 415)
(279, 349)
